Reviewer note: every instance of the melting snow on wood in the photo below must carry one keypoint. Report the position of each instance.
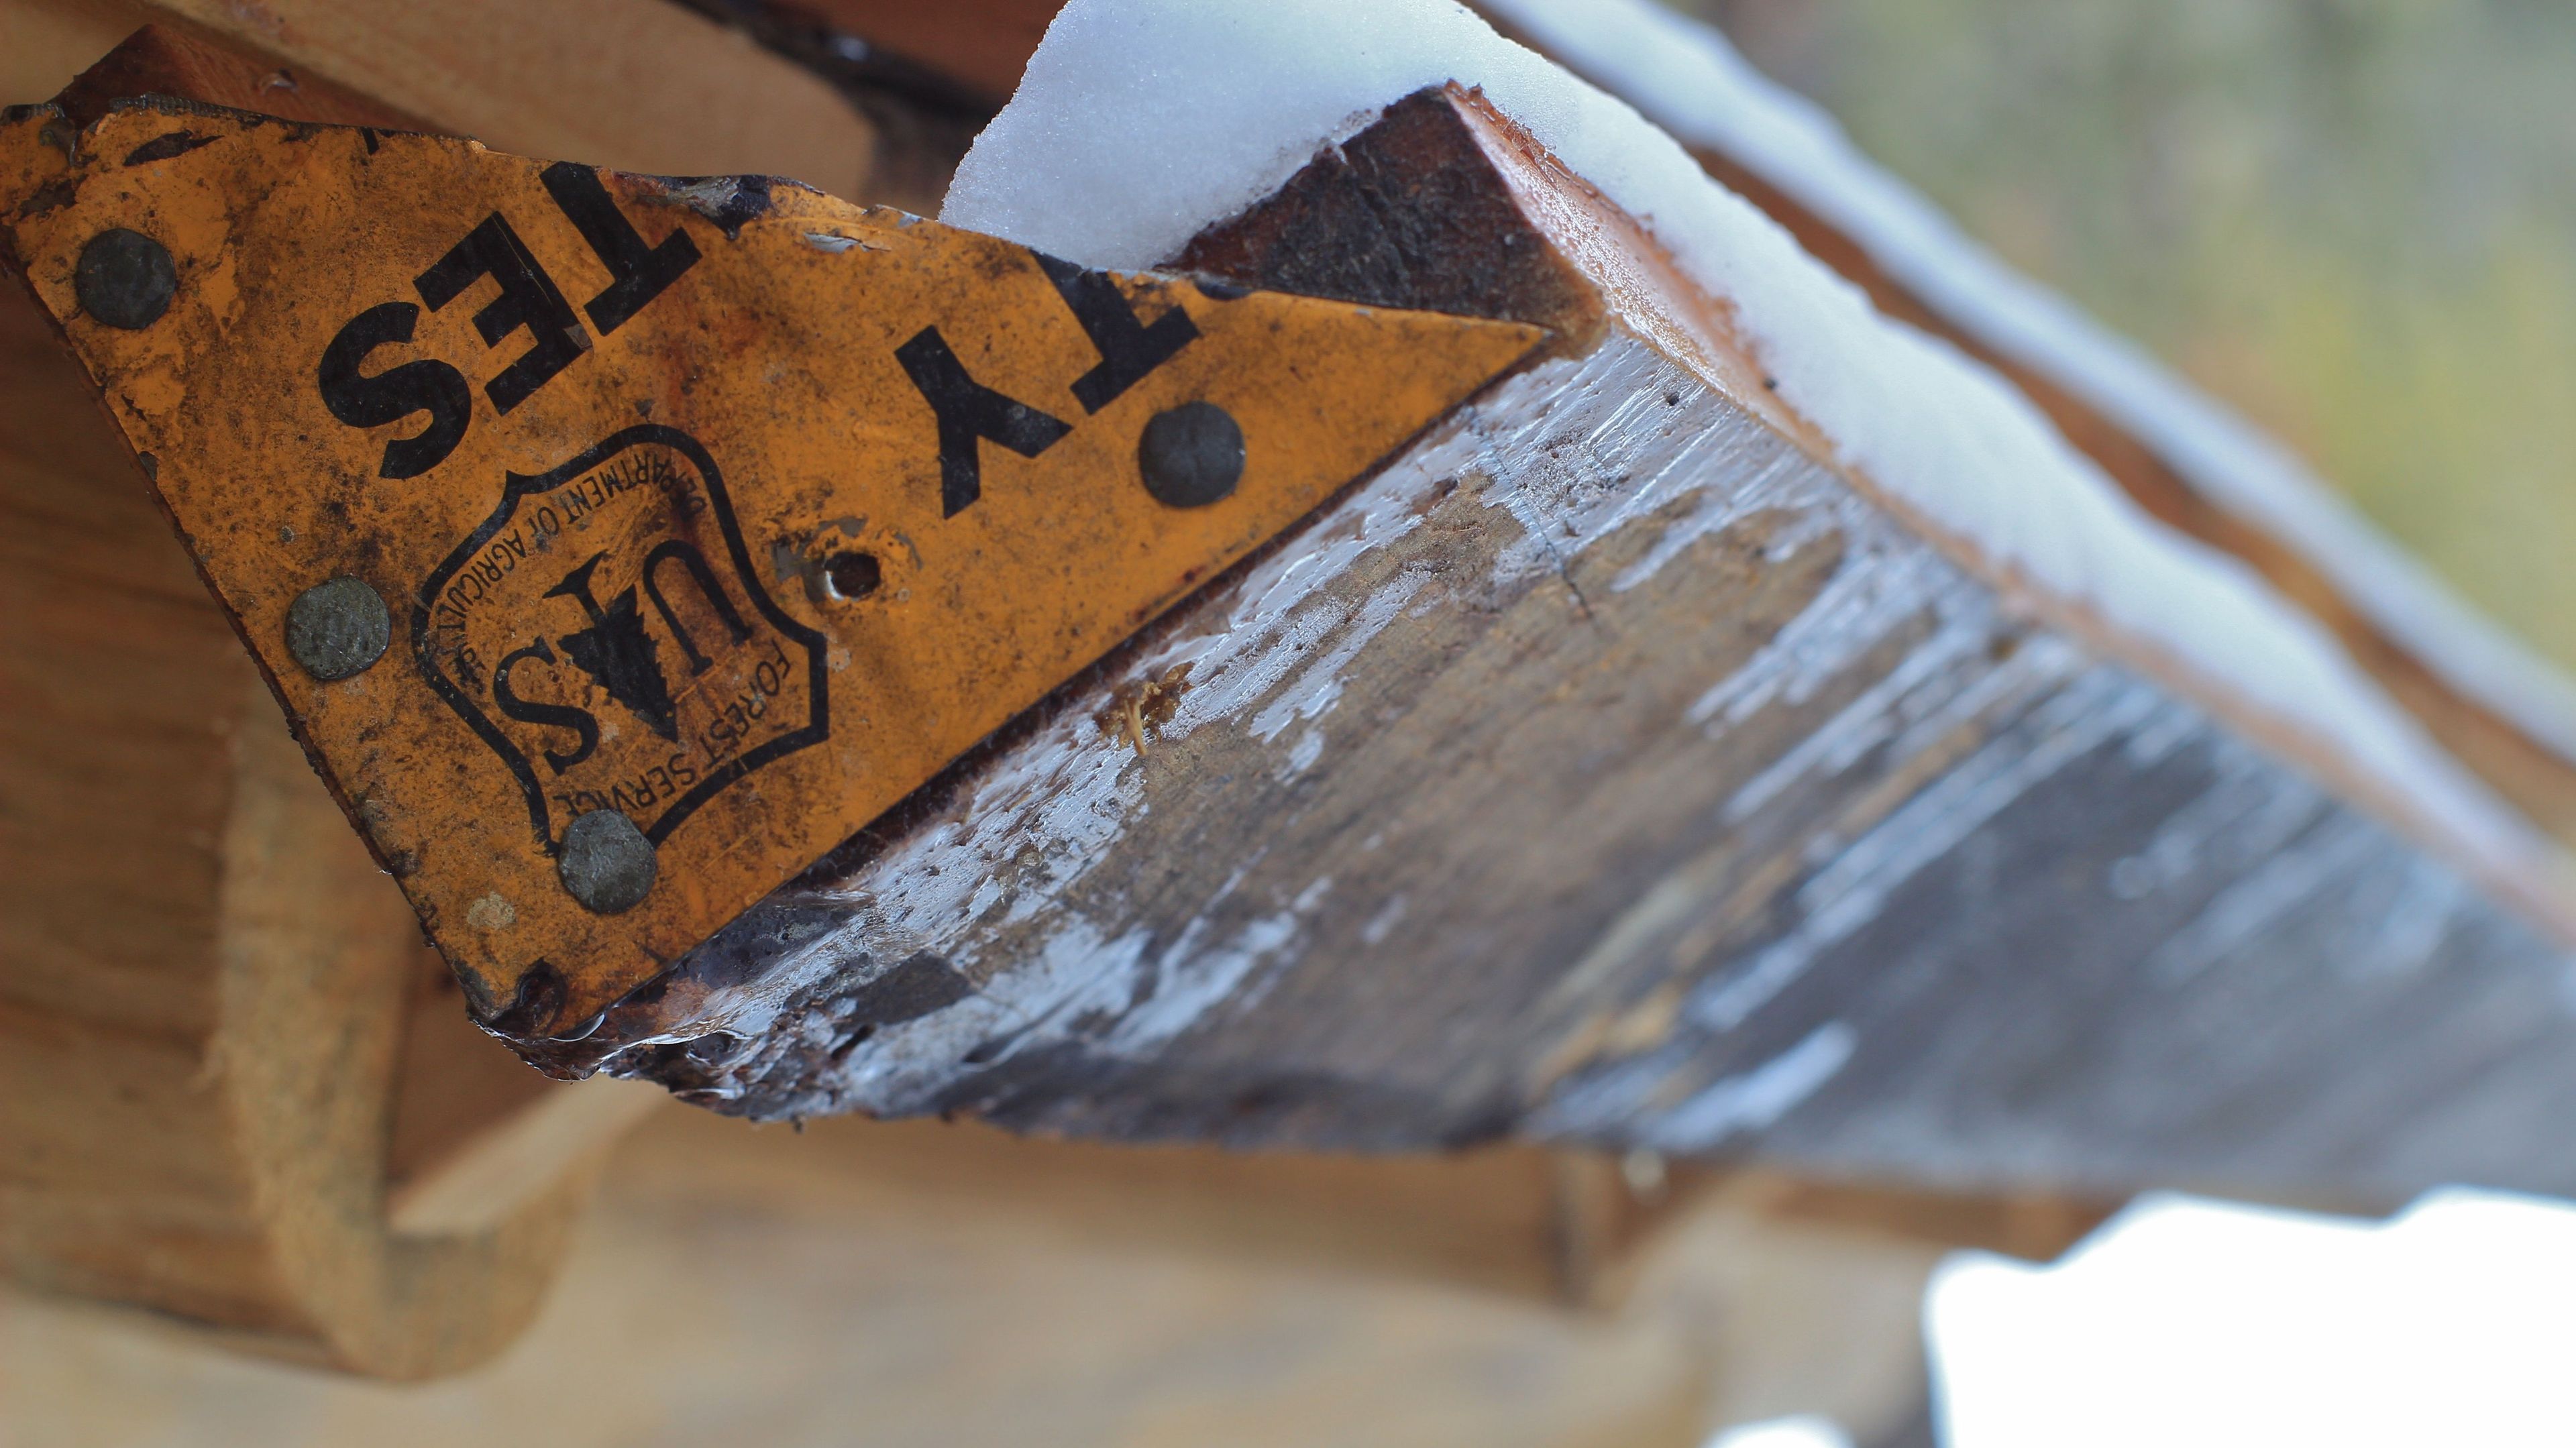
(1188, 112)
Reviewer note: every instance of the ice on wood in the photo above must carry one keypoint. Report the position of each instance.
(1186, 112)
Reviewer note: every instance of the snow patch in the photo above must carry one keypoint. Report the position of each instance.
(2217, 1325)
(1803, 1430)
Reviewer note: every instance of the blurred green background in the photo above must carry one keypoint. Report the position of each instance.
(2354, 220)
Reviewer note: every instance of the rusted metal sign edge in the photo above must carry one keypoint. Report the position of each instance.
(618, 545)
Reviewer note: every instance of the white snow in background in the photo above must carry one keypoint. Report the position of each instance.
(1140, 121)
(2194, 1322)
(1806, 1430)
(1689, 80)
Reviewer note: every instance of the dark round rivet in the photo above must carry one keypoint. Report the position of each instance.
(338, 628)
(1191, 456)
(607, 863)
(125, 279)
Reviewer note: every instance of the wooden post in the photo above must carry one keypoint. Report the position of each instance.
(233, 1086)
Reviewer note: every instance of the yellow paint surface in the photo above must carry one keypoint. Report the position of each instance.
(685, 486)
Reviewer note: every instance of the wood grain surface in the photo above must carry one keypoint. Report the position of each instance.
(917, 1285)
(224, 1069)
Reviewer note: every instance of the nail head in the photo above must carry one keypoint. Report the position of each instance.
(125, 279)
(606, 863)
(337, 629)
(1191, 456)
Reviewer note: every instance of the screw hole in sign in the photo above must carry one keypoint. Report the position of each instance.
(851, 574)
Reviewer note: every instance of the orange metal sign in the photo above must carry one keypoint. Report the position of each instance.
(618, 545)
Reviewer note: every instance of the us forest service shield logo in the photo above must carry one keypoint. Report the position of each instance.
(605, 634)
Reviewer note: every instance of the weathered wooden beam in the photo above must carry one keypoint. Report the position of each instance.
(1614, 769)
(1681, 791)
(178, 58)
(981, 45)
(864, 1280)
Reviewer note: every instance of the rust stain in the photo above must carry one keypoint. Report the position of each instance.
(678, 513)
